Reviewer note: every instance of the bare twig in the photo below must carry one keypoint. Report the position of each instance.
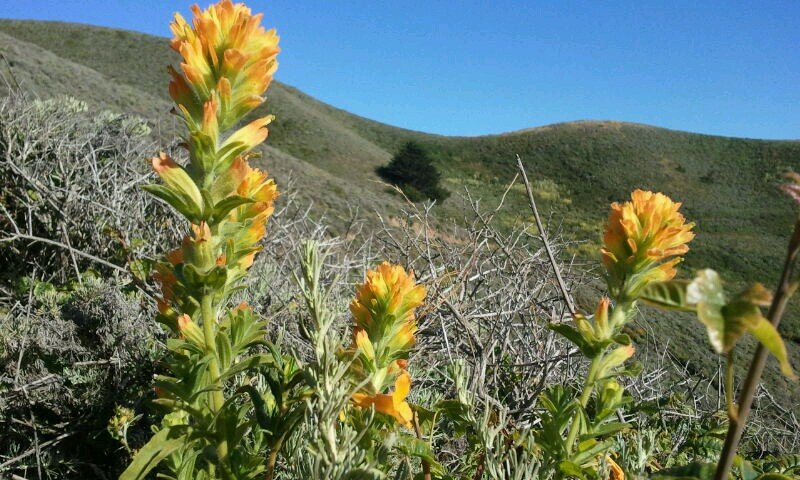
(33, 238)
(543, 235)
(39, 447)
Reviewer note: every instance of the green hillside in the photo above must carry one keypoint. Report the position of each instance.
(727, 185)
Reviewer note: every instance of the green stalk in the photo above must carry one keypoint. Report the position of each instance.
(588, 388)
(618, 317)
(273, 457)
(732, 412)
(209, 316)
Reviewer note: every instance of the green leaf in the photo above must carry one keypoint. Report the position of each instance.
(259, 406)
(622, 339)
(224, 352)
(738, 318)
(224, 207)
(766, 333)
(213, 279)
(179, 202)
(707, 294)
(607, 429)
(152, 453)
(590, 449)
(700, 471)
(576, 338)
(457, 412)
(726, 322)
(746, 470)
(248, 363)
(667, 295)
(141, 268)
(571, 469)
(414, 447)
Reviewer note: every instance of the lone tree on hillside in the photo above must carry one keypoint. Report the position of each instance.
(413, 171)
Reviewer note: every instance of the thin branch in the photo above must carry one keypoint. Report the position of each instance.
(32, 451)
(543, 236)
(33, 238)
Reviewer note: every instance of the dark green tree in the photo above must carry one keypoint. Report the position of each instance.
(413, 171)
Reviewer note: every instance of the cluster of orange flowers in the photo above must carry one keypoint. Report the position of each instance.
(643, 242)
(385, 325)
(228, 63)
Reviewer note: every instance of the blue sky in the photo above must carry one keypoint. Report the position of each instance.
(475, 67)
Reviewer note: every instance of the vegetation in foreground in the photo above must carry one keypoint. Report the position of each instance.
(241, 402)
(330, 155)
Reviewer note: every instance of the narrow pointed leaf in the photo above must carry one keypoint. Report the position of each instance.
(667, 295)
(772, 341)
(151, 454)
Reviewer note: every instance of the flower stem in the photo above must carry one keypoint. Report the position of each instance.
(588, 388)
(209, 316)
(618, 317)
(273, 457)
(426, 466)
(733, 414)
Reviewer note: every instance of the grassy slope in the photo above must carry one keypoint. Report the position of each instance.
(727, 185)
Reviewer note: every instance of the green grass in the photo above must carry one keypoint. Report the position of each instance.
(727, 185)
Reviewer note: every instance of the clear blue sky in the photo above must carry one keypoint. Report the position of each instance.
(473, 67)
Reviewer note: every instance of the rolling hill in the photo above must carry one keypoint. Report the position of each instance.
(727, 184)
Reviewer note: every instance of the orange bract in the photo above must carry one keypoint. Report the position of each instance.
(393, 404)
(384, 312)
(228, 63)
(616, 472)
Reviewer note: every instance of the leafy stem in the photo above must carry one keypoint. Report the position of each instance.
(588, 388)
(786, 288)
(209, 316)
(618, 318)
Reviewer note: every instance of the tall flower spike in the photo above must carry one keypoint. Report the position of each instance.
(384, 312)
(643, 241)
(225, 50)
(385, 308)
(228, 63)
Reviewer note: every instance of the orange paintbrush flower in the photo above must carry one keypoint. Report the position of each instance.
(388, 292)
(384, 308)
(228, 60)
(385, 325)
(225, 50)
(640, 235)
(393, 404)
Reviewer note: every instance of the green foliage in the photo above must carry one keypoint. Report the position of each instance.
(726, 320)
(290, 405)
(329, 151)
(413, 171)
(68, 360)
